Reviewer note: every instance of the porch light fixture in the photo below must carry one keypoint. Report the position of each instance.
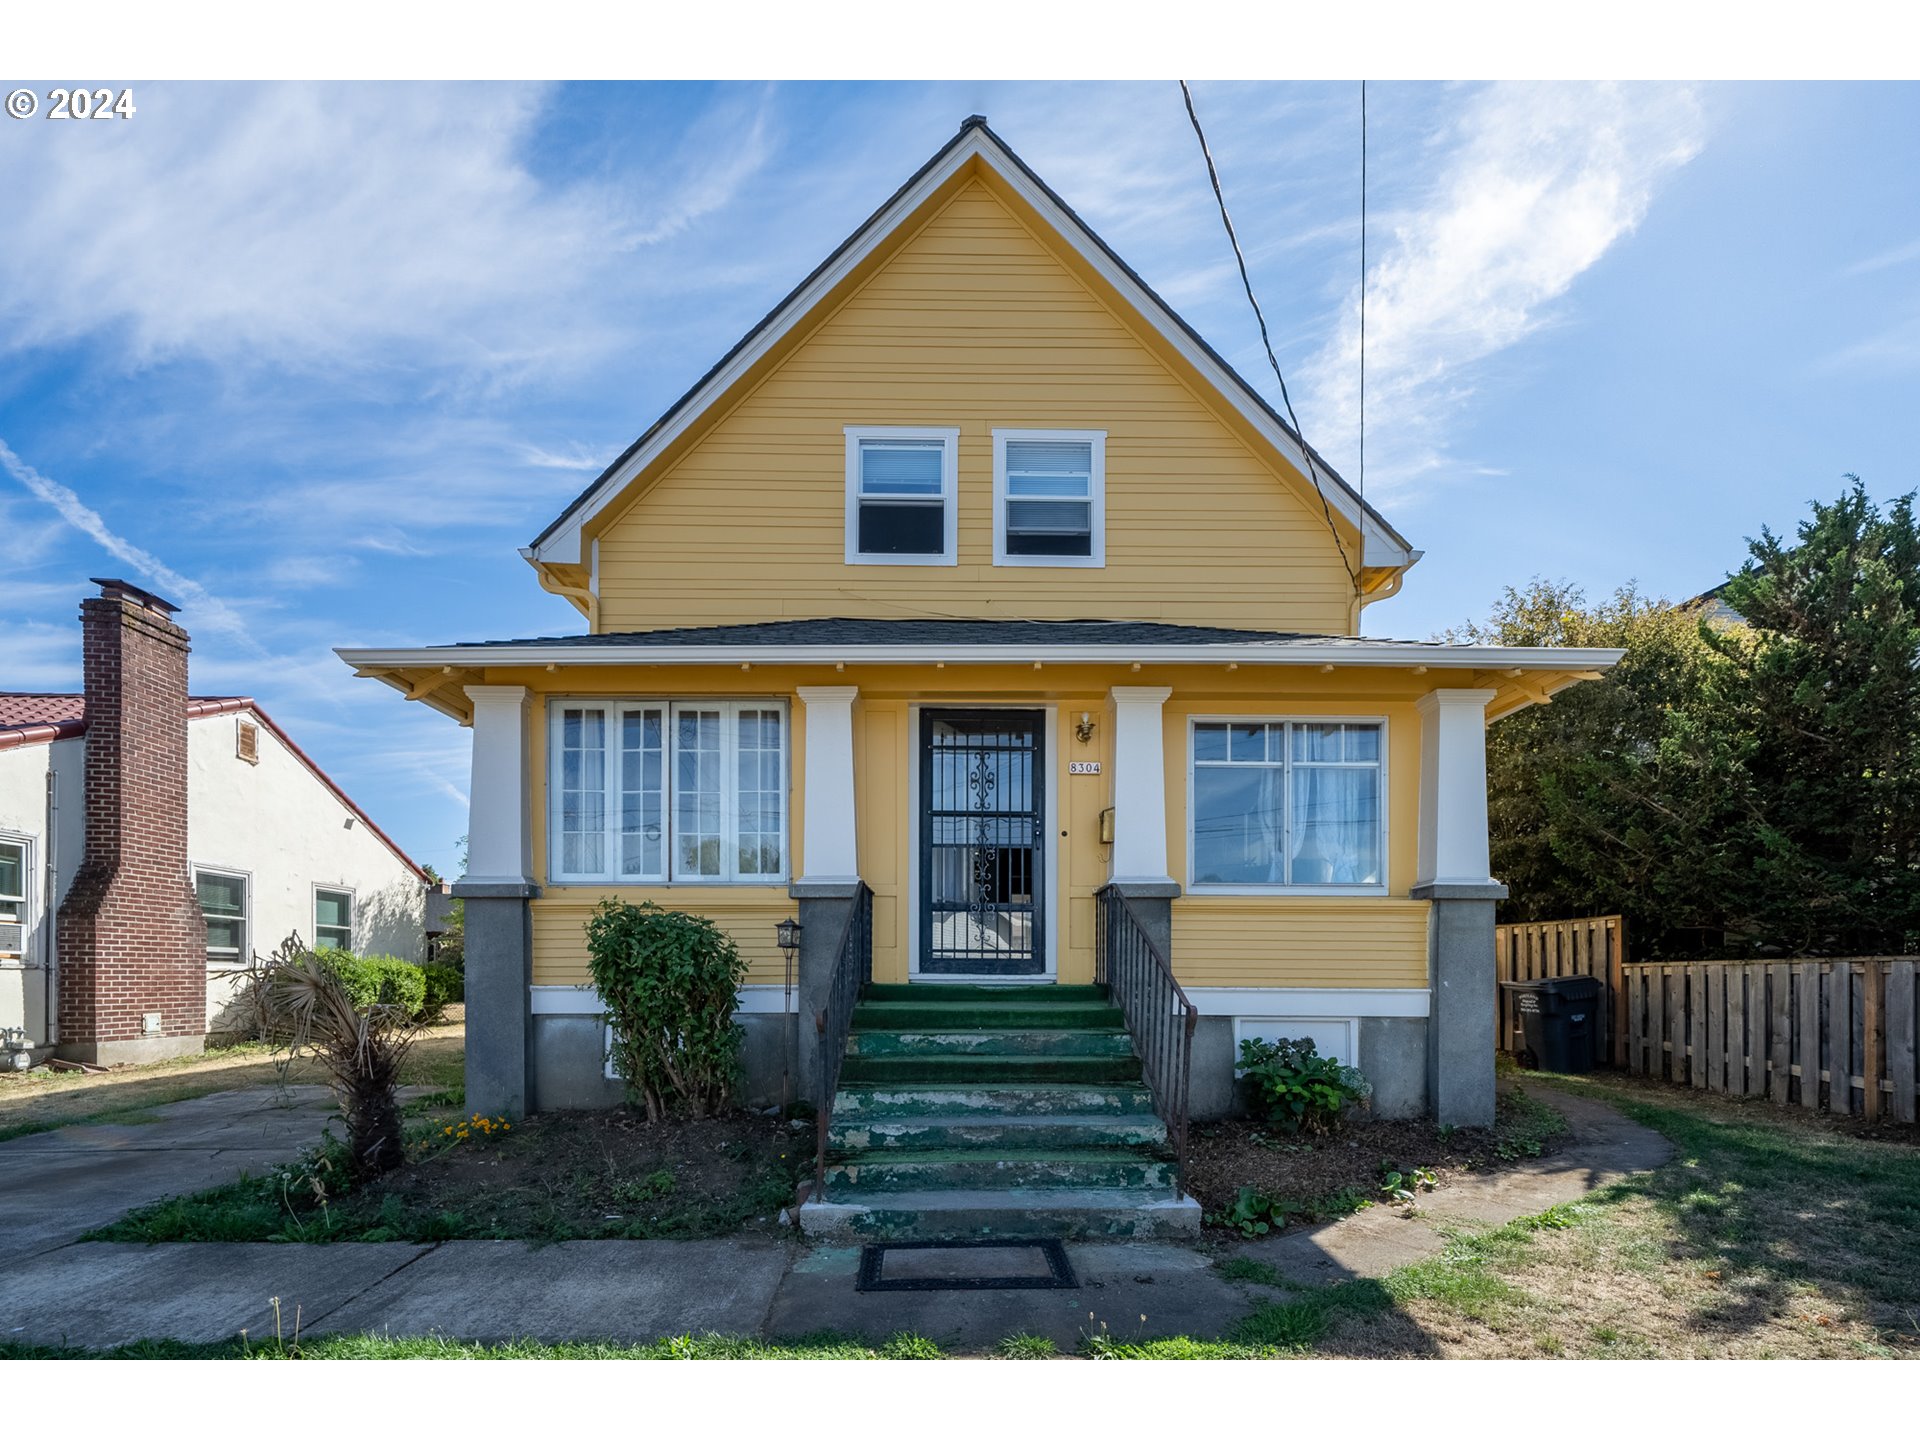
(1083, 732)
(787, 933)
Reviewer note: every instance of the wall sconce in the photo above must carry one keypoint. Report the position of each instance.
(1083, 732)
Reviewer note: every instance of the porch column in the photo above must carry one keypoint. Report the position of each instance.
(1451, 871)
(496, 890)
(1139, 787)
(829, 841)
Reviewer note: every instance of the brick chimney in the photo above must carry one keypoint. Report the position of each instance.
(132, 941)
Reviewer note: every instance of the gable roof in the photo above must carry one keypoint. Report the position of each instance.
(976, 143)
(32, 718)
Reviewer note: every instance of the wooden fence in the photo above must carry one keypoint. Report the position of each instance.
(1546, 949)
(1796, 1032)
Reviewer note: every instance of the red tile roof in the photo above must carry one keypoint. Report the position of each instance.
(27, 718)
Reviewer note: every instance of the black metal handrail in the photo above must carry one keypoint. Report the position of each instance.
(852, 973)
(1160, 1017)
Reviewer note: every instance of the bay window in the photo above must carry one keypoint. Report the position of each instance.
(1287, 803)
(655, 791)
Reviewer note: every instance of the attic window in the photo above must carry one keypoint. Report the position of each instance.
(1049, 497)
(900, 495)
(248, 747)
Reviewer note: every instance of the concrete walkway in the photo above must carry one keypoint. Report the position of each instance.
(96, 1295)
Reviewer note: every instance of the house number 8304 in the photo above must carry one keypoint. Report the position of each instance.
(1083, 767)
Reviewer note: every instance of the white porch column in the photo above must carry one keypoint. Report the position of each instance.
(1139, 786)
(499, 825)
(1453, 788)
(828, 835)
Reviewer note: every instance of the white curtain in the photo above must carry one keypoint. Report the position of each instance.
(1336, 828)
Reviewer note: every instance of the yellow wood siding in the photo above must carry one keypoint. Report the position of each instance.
(1322, 943)
(975, 322)
(1238, 940)
(747, 913)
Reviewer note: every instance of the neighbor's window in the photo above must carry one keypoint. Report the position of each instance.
(900, 496)
(1279, 802)
(333, 919)
(692, 790)
(223, 900)
(1049, 490)
(13, 900)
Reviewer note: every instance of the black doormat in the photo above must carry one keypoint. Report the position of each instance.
(966, 1265)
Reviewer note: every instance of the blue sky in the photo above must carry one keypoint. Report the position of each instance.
(314, 361)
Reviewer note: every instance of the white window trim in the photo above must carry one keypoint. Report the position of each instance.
(29, 878)
(245, 877)
(729, 766)
(1096, 495)
(1282, 888)
(353, 912)
(949, 439)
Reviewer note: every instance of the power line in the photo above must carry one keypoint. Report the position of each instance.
(1363, 292)
(1246, 282)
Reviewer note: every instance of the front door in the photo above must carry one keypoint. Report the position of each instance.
(981, 853)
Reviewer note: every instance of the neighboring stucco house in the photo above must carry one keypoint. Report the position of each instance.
(151, 842)
(974, 587)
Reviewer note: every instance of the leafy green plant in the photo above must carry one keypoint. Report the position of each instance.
(370, 980)
(444, 985)
(1402, 1186)
(1295, 1087)
(668, 981)
(1254, 1212)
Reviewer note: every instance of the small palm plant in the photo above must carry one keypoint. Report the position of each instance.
(360, 1047)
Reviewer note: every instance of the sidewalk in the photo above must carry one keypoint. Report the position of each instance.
(99, 1296)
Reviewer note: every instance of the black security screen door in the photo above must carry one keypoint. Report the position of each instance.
(980, 843)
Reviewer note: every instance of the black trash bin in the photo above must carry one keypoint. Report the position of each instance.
(1559, 1019)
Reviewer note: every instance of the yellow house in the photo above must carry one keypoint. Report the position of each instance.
(973, 610)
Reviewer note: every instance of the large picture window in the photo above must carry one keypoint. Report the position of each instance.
(658, 791)
(1285, 803)
(901, 487)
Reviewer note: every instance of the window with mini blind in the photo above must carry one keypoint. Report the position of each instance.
(655, 791)
(901, 486)
(1049, 497)
(13, 901)
(1287, 804)
(223, 901)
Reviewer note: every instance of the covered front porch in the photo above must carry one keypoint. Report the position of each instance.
(1297, 823)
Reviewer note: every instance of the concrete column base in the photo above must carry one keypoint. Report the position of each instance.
(1460, 1027)
(823, 908)
(499, 1005)
(1152, 902)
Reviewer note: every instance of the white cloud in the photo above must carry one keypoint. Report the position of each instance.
(77, 513)
(373, 226)
(1885, 260)
(1541, 181)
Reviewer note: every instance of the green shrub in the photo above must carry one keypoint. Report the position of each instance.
(371, 980)
(445, 985)
(669, 981)
(1293, 1086)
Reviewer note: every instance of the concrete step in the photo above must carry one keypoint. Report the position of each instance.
(946, 1101)
(996, 1132)
(1096, 1169)
(1013, 1214)
(989, 1042)
(937, 993)
(993, 1014)
(988, 1071)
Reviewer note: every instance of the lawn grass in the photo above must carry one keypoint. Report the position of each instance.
(1770, 1234)
(904, 1346)
(43, 1099)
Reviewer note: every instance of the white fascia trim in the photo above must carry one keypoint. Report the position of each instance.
(1380, 656)
(585, 1000)
(1287, 1004)
(1378, 547)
